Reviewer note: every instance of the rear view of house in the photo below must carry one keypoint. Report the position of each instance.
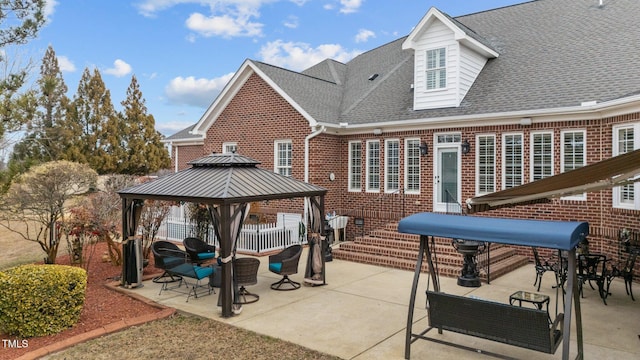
(458, 108)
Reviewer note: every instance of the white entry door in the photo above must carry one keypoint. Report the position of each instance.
(446, 187)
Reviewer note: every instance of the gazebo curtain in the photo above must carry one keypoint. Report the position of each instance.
(227, 222)
(314, 273)
(131, 247)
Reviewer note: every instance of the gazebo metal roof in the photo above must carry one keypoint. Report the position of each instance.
(226, 182)
(223, 179)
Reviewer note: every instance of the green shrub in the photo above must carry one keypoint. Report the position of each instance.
(38, 300)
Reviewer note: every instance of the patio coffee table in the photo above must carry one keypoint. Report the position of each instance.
(536, 299)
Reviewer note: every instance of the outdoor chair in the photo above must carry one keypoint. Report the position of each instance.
(542, 266)
(625, 272)
(285, 263)
(245, 271)
(178, 266)
(592, 268)
(167, 255)
(198, 250)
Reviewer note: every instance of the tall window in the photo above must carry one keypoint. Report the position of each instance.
(229, 147)
(355, 166)
(392, 165)
(486, 169)
(626, 140)
(283, 155)
(373, 165)
(512, 160)
(436, 69)
(573, 154)
(541, 155)
(412, 166)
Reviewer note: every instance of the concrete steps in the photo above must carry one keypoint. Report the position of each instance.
(387, 247)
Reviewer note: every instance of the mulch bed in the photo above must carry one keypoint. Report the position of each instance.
(103, 305)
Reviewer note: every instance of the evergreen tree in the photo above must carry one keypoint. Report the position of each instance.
(144, 152)
(42, 141)
(94, 129)
(20, 21)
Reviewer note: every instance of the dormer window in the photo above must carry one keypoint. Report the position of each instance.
(436, 69)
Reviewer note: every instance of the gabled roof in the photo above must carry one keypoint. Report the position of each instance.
(184, 136)
(222, 179)
(568, 57)
(462, 33)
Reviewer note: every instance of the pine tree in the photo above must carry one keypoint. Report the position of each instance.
(94, 129)
(42, 141)
(144, 152)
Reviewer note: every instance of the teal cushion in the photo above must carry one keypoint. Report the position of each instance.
(275, 267)
(206, 256)
(203, 271)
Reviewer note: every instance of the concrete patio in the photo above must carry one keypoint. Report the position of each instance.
(362, 311)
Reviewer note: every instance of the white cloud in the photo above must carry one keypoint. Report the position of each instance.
(292, 22)
(350, 6)
(65, 64)
(195, 92)
(226, 18)
(299, 2)
(225, 25)
(120, 68)
(49, 9)
(364, 35)
(299, 56)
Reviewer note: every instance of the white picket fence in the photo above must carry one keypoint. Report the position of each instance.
(253, 239)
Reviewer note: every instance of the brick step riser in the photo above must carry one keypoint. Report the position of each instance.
(390, 248)
(497, 269)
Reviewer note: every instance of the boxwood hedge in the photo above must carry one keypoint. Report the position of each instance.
(38, 300)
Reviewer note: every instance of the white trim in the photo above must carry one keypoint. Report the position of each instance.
(230, 90)
(276, 168)
(504, 156)
(531, 153)
(477, 160)
(306, 151)
(577, 197)
(367, 172)
(386, 165)
(350, 173)
(616, 196)
(406, 167)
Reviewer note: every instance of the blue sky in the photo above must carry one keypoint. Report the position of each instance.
(183, 52)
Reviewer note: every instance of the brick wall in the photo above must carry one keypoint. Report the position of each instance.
(185, 153)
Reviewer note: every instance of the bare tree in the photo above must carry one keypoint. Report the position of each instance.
(36, 202)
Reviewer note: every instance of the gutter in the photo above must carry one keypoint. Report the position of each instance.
(306, 150)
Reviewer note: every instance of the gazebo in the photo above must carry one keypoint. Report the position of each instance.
(226, 184)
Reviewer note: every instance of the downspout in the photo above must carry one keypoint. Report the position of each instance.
(306, 173)
(306, 150)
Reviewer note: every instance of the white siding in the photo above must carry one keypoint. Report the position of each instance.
(437, 36)
(471, 63)
(463, 66)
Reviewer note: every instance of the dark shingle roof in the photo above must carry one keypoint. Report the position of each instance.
(183, 135)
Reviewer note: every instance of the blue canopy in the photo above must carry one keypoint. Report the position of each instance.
(563, 235)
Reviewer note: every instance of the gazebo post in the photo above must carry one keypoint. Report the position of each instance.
(226, 290)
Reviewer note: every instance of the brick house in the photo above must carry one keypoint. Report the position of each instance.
(460, 107)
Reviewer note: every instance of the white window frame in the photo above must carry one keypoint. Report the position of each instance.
(391, 165)
(353, 166)
(438, 70)
(412, 165)
(277, 165)
(563, 165)
(373, 169)
(492, 166)
(226, 147)
(533, 157)
(635, 187)
(504, 159)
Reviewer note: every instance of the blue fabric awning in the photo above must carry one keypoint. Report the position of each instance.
(563, 235)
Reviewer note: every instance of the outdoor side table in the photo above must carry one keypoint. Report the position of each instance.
(536, 299)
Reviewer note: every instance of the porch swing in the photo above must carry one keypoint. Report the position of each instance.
(501, 322)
